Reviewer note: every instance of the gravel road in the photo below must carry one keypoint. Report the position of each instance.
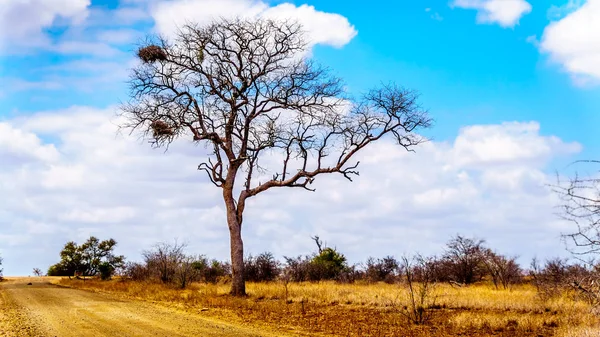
(43, 309)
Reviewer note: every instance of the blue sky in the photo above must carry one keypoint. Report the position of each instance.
(517, 75)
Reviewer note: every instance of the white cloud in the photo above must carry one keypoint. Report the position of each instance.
(81, 179)
(19, 144)
(22, 21)
(506, 13)
(574, 41)
(508, 143)
(323, 28)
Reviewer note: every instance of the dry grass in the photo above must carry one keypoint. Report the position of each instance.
(373, 310)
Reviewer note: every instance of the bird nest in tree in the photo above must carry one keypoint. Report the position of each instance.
(161, 129)
(152, 53)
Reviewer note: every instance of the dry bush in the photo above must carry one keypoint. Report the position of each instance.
(504, 271)
(382, 270)
(557, 276)
(163, 260)
(262, 268)
(419, 277)
(136, 271)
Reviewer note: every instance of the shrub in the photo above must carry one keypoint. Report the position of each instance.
(263, 268)
(60, 269)
(137, 271)
(106, 271)
(419, 278)
(211, 271)
(327, 265)
(163, 260)
(382, 270)
(556, 275)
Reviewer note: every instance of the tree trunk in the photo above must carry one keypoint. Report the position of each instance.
(238, 284)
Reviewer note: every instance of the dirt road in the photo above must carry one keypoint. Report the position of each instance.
(43, 309)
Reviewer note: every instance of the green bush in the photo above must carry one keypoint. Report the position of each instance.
(106, 270)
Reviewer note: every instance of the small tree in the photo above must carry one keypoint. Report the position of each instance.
(1, 270)
(503, 270)
(243, 88)
(37, 272)
(88, 259)
(164, 259)
(329, 264)
(466, 259)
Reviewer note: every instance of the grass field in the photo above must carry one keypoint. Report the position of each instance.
(372, 309)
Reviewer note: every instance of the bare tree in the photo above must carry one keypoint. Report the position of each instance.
(465, 257)
(580, 198)
(164, 260)
(244, 89)
(503, 270)
(38, 272)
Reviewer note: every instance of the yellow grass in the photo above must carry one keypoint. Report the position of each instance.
(374, 309)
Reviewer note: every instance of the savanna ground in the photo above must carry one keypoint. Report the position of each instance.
(309, 309)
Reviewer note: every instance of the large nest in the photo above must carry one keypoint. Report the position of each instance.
(151, 54)
(161, 129)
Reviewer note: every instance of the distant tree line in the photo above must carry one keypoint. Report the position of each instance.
(465, 261)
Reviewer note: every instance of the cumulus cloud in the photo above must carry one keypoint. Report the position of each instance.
(323, 28)
(81, 178)
(16, 144)
(508, 143)
(574, 41)
(506, 13)
(22, 22)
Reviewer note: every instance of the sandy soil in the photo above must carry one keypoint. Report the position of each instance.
(44, 309)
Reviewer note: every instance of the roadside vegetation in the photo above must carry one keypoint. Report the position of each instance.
(469, 291)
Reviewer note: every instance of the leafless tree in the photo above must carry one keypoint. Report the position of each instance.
(465, 257)
(580, 205)
(38, 272)
(245, 90)
(503, 270)
(164, 260)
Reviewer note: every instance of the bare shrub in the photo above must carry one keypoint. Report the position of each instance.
(503, 270)
(382, 270)
(556, 276)
(419, 279)
(163, 260)
(186, 272)
(137, 272)
(262, 268)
